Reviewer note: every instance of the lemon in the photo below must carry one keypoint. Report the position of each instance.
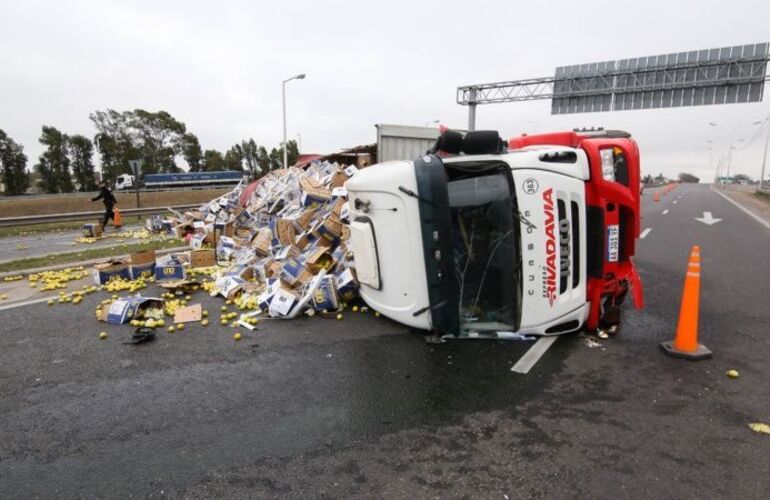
(180, 326)
(237, 336)
(355, 309)
(377, 314)
(205, 313)
(339, 316)
(223, 308)
(171, 329)
(204, 322)
(103, 335)
(50, 303)
(223, 321)
(733, 373)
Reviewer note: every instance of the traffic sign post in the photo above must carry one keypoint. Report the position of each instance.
(136, 168)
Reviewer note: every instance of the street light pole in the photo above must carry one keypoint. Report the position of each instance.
(732, 141)
(764, 156)
(301, 76)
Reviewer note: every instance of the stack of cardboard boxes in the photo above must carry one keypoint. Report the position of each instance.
(287, 231)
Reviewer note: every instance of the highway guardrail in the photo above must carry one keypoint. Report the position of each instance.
(76, 216)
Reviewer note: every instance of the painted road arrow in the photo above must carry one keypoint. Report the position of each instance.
(707, 219)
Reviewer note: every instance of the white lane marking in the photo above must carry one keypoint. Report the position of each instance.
(665, 211)
(744, 209)
(533, 355)
(707, 219)
(645, 233)
(22, 304)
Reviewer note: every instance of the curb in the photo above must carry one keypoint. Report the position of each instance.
(89, 262)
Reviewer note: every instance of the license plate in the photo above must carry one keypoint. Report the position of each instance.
(613, 244)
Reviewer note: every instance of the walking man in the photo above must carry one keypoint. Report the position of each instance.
(109, 203)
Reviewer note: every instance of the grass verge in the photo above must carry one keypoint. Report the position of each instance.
(17, 206)
(87, 254)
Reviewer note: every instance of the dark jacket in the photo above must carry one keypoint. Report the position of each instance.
(107, 198)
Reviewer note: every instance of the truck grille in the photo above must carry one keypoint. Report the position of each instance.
(569, 244)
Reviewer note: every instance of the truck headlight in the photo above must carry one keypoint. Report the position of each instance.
(608, 164)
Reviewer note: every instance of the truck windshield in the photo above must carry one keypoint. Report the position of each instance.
(486, 247)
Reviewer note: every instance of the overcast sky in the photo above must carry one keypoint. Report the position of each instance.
(218, 66)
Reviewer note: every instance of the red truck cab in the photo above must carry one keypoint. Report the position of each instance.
(613, 212)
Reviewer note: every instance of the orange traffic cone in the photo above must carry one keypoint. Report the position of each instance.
(685, 344)
(657, 196)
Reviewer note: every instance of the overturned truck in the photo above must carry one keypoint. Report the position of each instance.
(483, 238)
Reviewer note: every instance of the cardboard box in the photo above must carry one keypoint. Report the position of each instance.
(262, 242)
(338, 179)
(260, 268)
(141, 270)
(284, 231)
(294, 271)
(202, 258)
(267, 295)
(229, 285)
(282, 303)
(331, 228)
(245, 272)
(124, 309)
(339, 192)
(105, 271)
(92, 230)
(169, 268)
(302, 219)
(143, 257)
(274, 269)
(319, 258)
(347, 284)
(225, 247)
(188, 314)
(325, 295)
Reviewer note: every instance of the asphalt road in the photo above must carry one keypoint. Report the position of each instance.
(35, 245)
(364, 408)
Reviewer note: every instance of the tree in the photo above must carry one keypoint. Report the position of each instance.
(212, 161)
(249, 153)
(114, 142)
(684, 177)
(292, 152)
(81, 159)
(276, 158)
(191, 152)
(54, 164)
(159, 137)
(156, 138)
(263, 159)
(648, 179)
(14, 166)
(233, 159)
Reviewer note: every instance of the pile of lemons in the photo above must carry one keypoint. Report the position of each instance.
(75, 297)
(53, 280)
(13, 278)
(118, 284)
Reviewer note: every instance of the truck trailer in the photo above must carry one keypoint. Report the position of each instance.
(222, 178)
(485, 238)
